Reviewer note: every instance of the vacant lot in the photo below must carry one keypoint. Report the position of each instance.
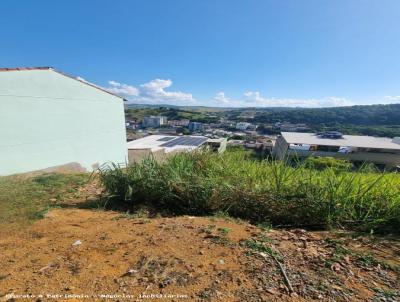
(67, 250)
(321, 193)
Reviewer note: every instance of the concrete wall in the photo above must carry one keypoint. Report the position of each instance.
(49, 120)
(138, 155)
(280, 148)
(218, 146)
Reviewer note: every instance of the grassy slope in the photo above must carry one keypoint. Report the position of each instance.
(203, 257)
(23, 199)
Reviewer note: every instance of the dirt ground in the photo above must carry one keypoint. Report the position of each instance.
(87, 255)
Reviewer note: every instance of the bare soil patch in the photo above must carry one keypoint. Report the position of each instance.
(88, 252)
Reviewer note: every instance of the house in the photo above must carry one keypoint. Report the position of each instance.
(162, 146)
(217, 144)
(289, 127)
(179, 123)
(236, 142)
(154, 121)
(131, 125)
(379, 150)
(242, 126)
(195, 127)
(68, 123)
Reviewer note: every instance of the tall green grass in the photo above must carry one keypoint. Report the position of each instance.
(203, 183)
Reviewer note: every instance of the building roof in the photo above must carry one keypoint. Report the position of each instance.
(345, 141)
(25, 68)
(62, 73)
(167, 142)
(217, 140)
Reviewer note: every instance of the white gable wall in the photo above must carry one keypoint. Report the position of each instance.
(48, 120)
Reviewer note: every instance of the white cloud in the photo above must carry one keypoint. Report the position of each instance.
(157, 92)
(123, 90)
(254, 98)
(152, 92)
(390, 99)
(221, 98)
(113, 83)
(81, 79)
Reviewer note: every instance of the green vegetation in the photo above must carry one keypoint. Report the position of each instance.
(366, 260)
(261, 247)
(321, 163)
(224, 231)
(356, 115)
(259, 191)
(375, 120)
(194, 115)
(23, 199)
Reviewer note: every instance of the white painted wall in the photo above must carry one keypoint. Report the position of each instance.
(48, 119)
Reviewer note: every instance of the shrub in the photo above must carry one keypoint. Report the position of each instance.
(321, 163)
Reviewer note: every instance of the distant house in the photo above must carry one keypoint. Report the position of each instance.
(69, 124)
(131, 125)
(289, 127)
(227, 123)
(242, 126)
(379, 150)
(195, 127)
(179, 123)
(154, 121)
(162, 146)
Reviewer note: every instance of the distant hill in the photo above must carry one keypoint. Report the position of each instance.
(378, 120)
(358, 115)
(189, 108)
(173, 113)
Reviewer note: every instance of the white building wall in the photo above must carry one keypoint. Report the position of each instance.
(49, 120)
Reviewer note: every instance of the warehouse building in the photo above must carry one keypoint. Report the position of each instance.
(51, 121)
(382, 151)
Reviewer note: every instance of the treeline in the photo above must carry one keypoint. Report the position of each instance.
(375, 120)
(171, 113)
(357, 115)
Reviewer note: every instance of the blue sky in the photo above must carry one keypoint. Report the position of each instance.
(309, 53)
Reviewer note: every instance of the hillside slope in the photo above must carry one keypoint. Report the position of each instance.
(74, 252)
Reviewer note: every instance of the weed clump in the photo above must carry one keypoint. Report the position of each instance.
(203, 183)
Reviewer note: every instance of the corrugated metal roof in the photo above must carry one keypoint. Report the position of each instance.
(345, 141)
(62, 73)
